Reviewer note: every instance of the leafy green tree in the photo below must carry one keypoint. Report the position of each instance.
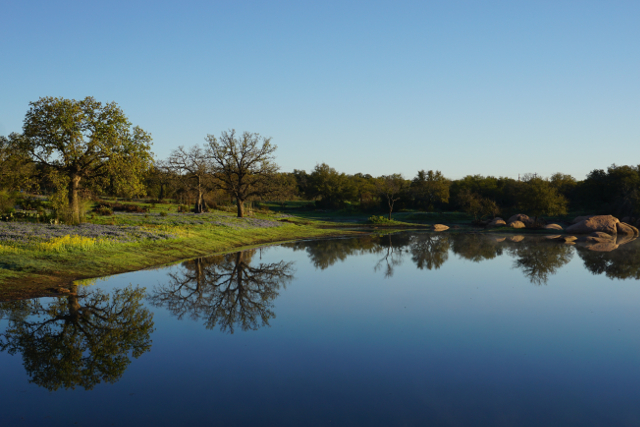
(331, 188)
(429, 189)
(366, 190)
(284, 188)
(161, 181)
(78, 340)
(565, 184)
(614, 191)
(86, 139)
(538, 197)
(243, 165)
(17, 170)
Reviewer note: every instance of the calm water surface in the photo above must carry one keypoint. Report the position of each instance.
(410, 329)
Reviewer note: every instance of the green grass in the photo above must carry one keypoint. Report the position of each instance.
(27, 269)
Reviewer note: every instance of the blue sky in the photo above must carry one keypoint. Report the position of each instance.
(379, 87)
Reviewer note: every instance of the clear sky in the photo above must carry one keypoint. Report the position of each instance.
(379, 87)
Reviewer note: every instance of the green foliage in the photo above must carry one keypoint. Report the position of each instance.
(87, 141)
(7, 201)
(379, 219)
(430, 189)
(17, 170)
(331, 188)
(616, 191)
(538, 197)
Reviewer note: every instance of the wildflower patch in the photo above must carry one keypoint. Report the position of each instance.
(68, 243)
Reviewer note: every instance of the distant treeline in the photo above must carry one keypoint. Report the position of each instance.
(76, 150)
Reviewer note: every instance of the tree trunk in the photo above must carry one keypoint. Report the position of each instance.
(240, 204)
(199, 208)
(74, 203)
(74, 304)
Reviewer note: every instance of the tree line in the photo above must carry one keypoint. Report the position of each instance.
(69, 149)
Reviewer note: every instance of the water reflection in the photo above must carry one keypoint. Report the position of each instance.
(224, 290)
(622, 263)
(540, 259)
(79, 340)
(537, 257)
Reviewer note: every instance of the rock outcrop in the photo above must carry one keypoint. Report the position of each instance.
(497, 222)
(440, 227)
(603, 223)
(624, 228)
(517, 224)
(581, 218)
(522, 218)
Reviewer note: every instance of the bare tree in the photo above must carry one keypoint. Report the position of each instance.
(244, 165)
(195, 168)
(390, 187)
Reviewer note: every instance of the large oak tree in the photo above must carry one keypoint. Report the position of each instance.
(244, 165)
(86, 139)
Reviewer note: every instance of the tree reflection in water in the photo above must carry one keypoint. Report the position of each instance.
(540, 259)
(224, 290)
(326, 252)
(430, 251)
(621, 263)
(79, 340)
(475, 247)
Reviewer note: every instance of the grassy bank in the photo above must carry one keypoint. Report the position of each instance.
(34, 268)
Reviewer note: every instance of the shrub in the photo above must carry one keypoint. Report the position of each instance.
(379, 219)
(163, 213)
(103, 210)
(6, 202)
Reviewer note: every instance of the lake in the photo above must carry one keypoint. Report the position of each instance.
(407, 329)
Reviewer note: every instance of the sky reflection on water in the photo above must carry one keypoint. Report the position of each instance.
(403, 329)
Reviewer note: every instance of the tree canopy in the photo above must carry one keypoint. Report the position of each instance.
(243, 165)
(86, 139)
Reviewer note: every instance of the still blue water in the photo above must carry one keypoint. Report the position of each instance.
(410, 329)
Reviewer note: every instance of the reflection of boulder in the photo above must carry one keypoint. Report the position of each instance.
(566, 239)
(604, 223)
(624, 228)
(440, 227)
(553, 227)
(553, 237)
(602, 247)
(599, 237)
(516, 239)
(500, 239)
(624, 239)
(517, 224)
